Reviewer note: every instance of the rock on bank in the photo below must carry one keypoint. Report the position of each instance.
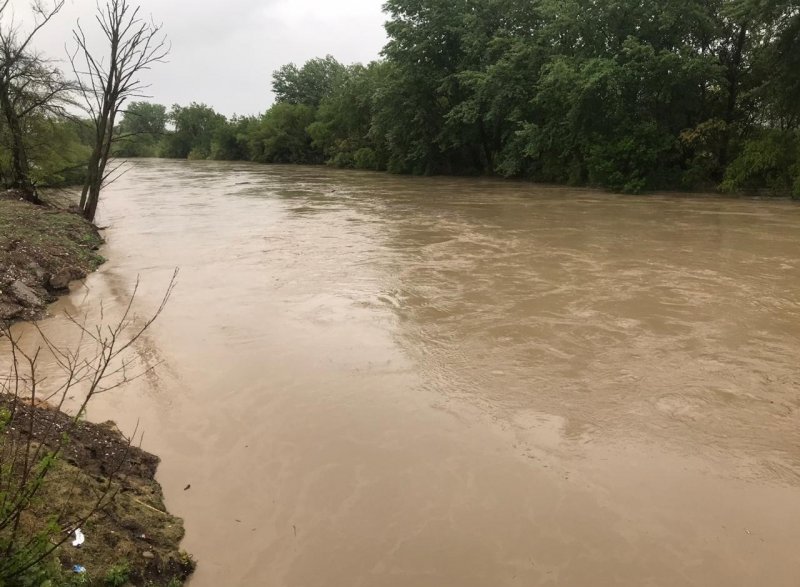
(42, 250)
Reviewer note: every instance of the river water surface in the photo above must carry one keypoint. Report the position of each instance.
(385, 381)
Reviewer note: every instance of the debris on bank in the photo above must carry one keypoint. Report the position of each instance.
(42, 250)
(132, 537)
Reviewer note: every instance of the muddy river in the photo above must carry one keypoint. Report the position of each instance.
(375, 381)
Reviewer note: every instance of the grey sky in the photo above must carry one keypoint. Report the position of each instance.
(224, 51)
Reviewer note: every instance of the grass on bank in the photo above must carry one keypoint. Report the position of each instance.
(42, 248)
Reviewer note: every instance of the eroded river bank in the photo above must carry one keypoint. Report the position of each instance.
(388, 381)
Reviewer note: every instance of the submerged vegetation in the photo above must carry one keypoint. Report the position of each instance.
(630, 96)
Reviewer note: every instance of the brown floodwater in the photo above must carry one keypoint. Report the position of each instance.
(382, 381)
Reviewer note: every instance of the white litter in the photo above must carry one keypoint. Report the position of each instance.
(79, 537)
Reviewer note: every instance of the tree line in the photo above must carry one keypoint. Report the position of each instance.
(620, 94)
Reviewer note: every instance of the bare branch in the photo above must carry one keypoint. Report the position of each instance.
(27, 458)
(134, 44)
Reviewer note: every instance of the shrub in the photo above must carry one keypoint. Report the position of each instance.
(365, 158)
(118, 574)
(769, 161)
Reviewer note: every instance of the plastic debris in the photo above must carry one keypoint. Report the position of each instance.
(79, 538)
(78, 569)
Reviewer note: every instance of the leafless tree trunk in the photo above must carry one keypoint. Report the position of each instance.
(29, 85)
(134, 44)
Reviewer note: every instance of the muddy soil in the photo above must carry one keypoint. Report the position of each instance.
(132, 529)
(42, 250)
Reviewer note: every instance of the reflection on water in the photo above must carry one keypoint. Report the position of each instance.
(385, 381)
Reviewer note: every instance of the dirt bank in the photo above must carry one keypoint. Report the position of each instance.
(42, 249)
(131, 539)
(131, 536)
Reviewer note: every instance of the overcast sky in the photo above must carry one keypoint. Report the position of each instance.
(224, 51)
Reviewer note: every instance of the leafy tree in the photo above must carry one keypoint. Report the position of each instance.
(230, 141)
(195, 128)
(30, 87)
(280, 136)
(769, 161)
(343, 122)
(56, 150)
(141, 129)
(424, 50)
(308, 84)
(616, 93)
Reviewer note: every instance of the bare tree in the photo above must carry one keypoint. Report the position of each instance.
(106, 83)
(30, 85)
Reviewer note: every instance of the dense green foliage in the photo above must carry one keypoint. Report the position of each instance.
(630, 96)
(310, 84)
(141, 130)
(195, 128)
(57, 150)
(615, 93)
